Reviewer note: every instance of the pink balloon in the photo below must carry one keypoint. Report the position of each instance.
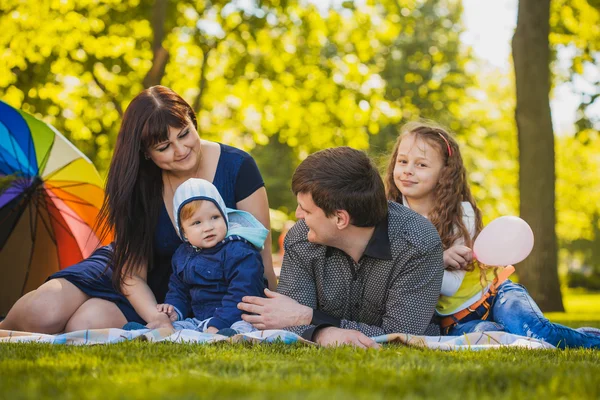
(504, 241)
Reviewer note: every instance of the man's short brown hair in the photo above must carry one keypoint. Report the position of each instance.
(343, 178)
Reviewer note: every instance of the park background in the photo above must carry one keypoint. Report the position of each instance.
(282, 79)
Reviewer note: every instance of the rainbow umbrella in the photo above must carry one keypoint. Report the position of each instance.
(48, 205)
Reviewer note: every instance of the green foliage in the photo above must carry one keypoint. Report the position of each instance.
(489, 144)
(425, 65)
(271, 71)
(282, 79)
(578, 204)
(575, 29)
(75, 64)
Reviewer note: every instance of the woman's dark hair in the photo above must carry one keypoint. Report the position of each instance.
(342, 178)
(134, 188)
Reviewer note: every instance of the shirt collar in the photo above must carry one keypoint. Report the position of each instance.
(379, 244)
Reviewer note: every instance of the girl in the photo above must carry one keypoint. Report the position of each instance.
(426, 173)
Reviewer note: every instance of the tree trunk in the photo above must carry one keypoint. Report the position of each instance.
(531, 54)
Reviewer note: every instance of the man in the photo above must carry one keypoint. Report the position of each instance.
(355, 265)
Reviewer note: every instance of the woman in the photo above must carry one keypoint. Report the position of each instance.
(157, 149)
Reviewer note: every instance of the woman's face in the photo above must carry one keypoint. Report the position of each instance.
(180, 153)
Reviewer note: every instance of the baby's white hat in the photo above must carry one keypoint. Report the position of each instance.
(196, 189)
(239, 223)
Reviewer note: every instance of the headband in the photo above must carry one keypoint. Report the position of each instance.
(447, 143)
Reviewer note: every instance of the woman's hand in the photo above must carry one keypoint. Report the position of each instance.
(457, 257)
(160, 321)
(169, 310)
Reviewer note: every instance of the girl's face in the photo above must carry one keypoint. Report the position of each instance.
(418, 168)
(180, 153)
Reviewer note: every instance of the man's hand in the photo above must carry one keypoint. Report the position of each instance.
(160, 321)
(332, 336)
(275, 312)
(169, 310)
(457, 257)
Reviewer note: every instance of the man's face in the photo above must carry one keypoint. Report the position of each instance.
(322, 229)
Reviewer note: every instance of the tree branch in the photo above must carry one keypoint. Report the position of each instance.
(202, 82)
(108, 94)
(161, 55)
(198, 101)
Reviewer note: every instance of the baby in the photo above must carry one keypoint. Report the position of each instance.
(218, 263)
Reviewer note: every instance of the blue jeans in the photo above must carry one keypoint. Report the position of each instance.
(514, 311)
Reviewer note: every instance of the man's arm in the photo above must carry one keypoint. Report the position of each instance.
(410, 306)
(292, 307)
(297, 281)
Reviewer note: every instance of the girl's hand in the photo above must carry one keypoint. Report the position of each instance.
(457, 257)
(169, 310)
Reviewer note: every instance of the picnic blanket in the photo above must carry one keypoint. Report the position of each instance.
(471, 341)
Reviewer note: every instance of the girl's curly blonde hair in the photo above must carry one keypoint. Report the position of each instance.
(451, 190)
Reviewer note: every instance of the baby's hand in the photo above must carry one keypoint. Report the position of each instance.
(211, 329)
(169, 310)
(457, 257)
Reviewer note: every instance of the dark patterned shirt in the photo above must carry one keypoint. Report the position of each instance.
(392, 289)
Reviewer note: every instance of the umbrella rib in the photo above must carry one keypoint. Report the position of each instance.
(13, 209)
(74, 216)
(4, 159)
(30, 147)
(74, 184)
(48, 177)
(12, 142)
(47, 155)
(32, 246)
(82, 202)
(48, 228)
(66, 228)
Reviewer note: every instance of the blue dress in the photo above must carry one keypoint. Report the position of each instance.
(236, 178)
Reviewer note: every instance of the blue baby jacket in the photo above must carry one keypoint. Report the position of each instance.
(211, 282)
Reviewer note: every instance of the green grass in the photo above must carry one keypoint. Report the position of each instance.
(146, 371)
(582, 309)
